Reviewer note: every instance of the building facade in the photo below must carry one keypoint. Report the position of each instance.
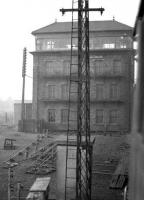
(112, 75)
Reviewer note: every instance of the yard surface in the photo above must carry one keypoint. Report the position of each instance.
(107, 152)
(22, 140)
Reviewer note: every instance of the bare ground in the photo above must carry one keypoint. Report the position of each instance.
(107, 152)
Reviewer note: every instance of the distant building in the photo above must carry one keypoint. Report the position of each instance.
(17, 110)
(112, 75)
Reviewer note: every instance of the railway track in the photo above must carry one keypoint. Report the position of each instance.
(45, 162)
(30, 151)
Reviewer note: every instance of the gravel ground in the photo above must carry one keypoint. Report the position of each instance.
(107, 152)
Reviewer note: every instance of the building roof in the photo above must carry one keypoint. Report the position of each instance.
(108, 25)
(41, 184)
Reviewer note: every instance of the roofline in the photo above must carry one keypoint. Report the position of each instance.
(34, 32)
(130, 30)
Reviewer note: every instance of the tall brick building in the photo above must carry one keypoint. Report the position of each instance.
(112, 74)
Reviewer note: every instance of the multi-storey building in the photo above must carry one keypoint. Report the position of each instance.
(112, 74)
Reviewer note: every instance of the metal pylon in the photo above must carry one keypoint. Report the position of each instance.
(83, 161)
(81, 76)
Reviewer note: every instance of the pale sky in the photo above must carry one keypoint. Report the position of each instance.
(18, 18)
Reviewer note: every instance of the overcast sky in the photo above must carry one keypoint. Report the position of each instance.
(18, 18)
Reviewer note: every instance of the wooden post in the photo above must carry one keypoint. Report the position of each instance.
(18, 190)
(23, 89)
(9, 183)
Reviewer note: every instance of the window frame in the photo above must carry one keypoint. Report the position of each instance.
(99, 89)
(51, 91)
(117, 69)
(116, 116)
(64, 91)
(64, 115)
(114, 91)
(101, 116)
(99, 66)
(51, 116)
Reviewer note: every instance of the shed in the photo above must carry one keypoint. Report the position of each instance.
(40, 185)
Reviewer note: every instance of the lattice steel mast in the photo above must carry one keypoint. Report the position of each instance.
(83, 148)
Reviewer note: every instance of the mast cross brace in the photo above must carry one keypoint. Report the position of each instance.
(101, 10)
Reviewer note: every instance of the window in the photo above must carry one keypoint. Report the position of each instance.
(99, 91)
(99, 66)
(64, 91)
(50, 45)
(51, 115)
(109, 46)
(51, 91)
(114, 116)
(57, 67)
(38, 44)
(44, 44)
(117, 67)
(49, 67)
(123, 46)
(114, 91)
(73, 116)
(99, 116)
(68, 46)
(64, 115)
(123, 42)
(91, 43)
(66, 67)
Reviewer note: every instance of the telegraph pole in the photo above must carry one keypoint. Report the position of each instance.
(23, 88)
(18, 190)
(10, 185)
